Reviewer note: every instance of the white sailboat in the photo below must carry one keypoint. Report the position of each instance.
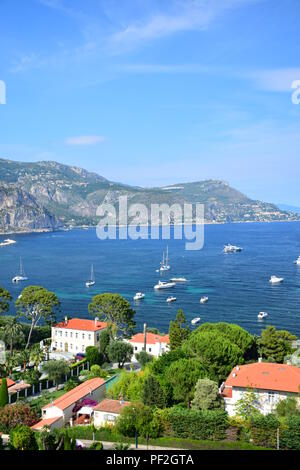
(91, 282)
(164, 265)
(21, 276)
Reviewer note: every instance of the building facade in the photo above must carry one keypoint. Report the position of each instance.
(270, 383)
(156, 345)
(76, 334)
(108, 411)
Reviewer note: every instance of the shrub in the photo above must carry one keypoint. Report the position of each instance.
(290, 435)
(3, 393)
(263, 430)
(20, 413)
(23, 438)
(96, 446)
(195, 424)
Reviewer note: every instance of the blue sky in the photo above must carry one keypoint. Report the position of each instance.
(153, 92)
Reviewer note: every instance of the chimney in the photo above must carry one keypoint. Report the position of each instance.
(260, 359)
(66, 320)
(145, 336)
(96, 321)
(234, 374)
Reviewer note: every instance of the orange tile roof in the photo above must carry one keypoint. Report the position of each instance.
(45, 422)
(112, 406)
(267, 376)
(76, 394)
(81, 324)
(151, 338)
(227, 392)
(9, 382)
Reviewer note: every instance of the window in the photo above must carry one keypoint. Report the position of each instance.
(271, 397)
(76, 335)
(135, 348)
(55, 332)
(60, 333)
(82, 348)
(90, 336)
(98, 336)
(61, 345)
(149, 349)
(82, 335)
(71, 346)
(56, 344)
(71, 334)
(66, 335)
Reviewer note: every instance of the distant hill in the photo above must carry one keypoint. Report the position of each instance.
(49, 195)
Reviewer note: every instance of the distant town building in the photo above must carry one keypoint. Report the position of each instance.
(107, 412)
(156, 345)
(75, 334)
(270, 382)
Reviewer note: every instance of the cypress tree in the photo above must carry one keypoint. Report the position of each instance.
(3, 393)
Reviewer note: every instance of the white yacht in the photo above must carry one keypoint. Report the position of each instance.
(276, 280)
(164, 264)
(262, 315)
(178, 279)
(7, 242)
(91, 282)
(203, 299)
(232, 248)
(195, 320)
(298, 261)
(139, 296)
(164, 285)
(171, 299)
(21, 276)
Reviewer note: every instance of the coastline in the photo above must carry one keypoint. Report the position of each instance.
(85, 227)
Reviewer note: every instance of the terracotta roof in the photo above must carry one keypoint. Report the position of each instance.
(151, 338)
(112, 406)
(76, 394)
(267, 376)
(45, 422)
(81, 324)
(9, 382)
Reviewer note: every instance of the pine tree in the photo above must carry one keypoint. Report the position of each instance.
(152, 392)
(3, 393)
(178, 330)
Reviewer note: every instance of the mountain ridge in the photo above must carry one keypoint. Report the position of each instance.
(64, 195)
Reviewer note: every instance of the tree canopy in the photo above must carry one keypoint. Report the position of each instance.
(120, 352)
(207, 395)
(115, 311)
(56, 370)
(183, 376)
(5, 299)
(275, 344)
(152, 392)
(36, 303)
(178, 330)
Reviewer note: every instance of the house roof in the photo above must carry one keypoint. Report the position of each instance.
(76, 394)
(9, 382)
(111, 406)
(45, 422)
(81, 324)
(267, 376)
(151, 338)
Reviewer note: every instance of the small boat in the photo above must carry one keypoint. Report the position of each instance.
(195, 320)
(203, 299)
(7, 242)
(164, 285)
(164, 264)
(91, 282)
(171, 299)
(262, 315)
(298, 261)
(21, 276)
(178, 279)
(232, 248)
(276, 280)
(139, 296)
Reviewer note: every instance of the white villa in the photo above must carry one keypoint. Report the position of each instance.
(156, 345)
(107, 412)
(271, 383)
(60, 412)
(75, 334)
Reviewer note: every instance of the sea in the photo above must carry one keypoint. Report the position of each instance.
(237, 284)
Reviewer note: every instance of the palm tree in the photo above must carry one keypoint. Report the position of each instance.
(12, 329)
(37, 356)
(24, 358)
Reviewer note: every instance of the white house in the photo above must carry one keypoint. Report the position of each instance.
(75, 334)
(269, 381)
(156, 345)
(59, 412)
(108, 411)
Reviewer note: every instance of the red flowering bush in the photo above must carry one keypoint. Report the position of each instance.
(14, 414)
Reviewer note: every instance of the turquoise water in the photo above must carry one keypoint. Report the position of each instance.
(237, 284)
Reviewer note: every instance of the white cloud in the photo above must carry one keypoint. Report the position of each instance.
(84, 140)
